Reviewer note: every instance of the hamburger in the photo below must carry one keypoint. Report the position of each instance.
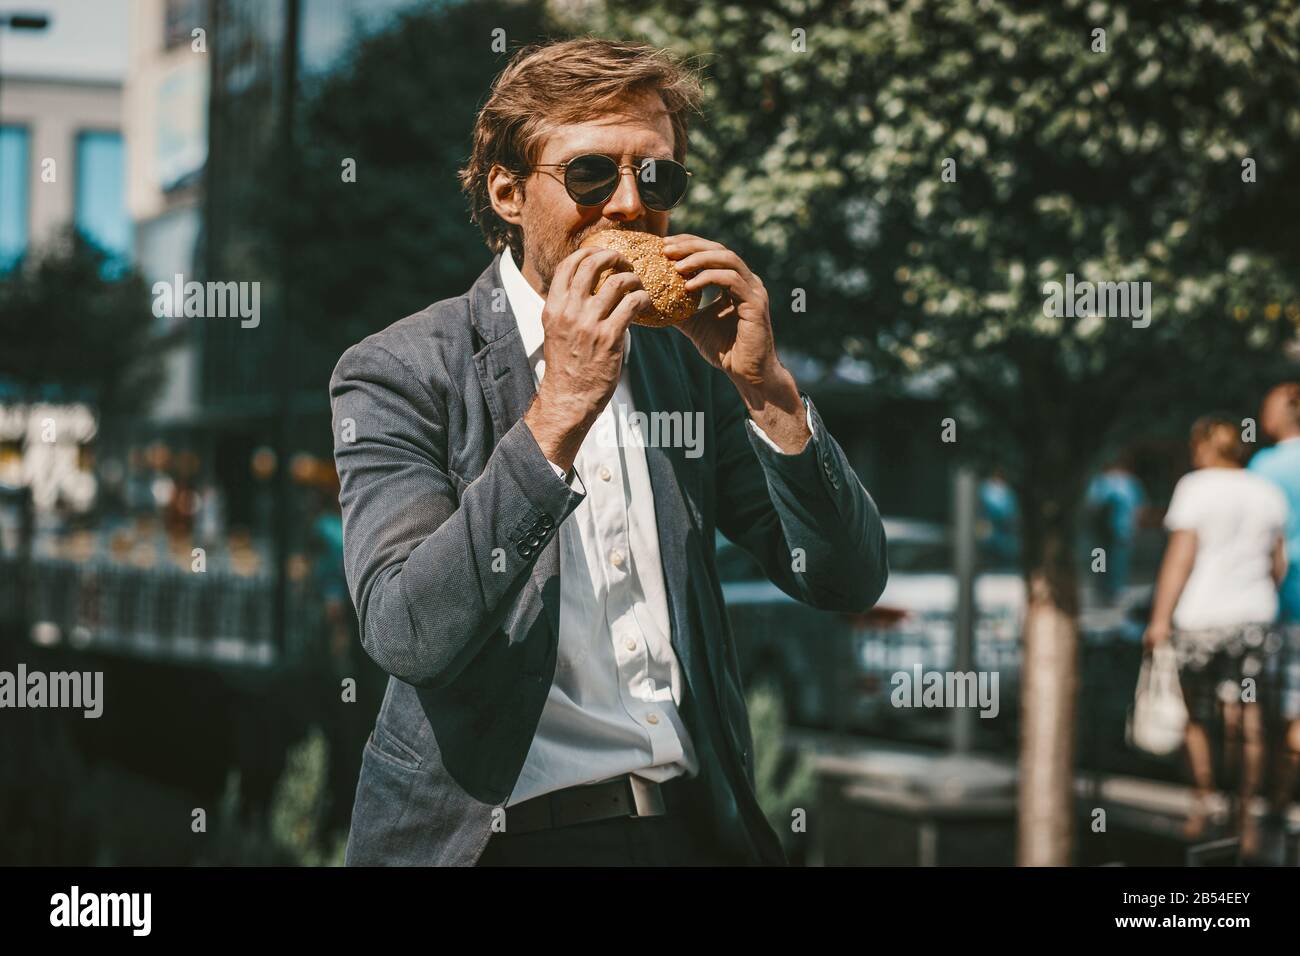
(667, 289)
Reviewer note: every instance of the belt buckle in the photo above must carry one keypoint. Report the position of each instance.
(646, 797)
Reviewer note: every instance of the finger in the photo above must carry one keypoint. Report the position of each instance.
(560, 299)
(589, 270)
(711, 259)
(729, 279)
(677, 247)
(563, 277)
(612, 291)
(636, 302)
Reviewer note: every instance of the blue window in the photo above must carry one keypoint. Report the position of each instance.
(101, 193)
(15, 179)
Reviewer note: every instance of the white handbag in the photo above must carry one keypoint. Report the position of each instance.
(1159, 716)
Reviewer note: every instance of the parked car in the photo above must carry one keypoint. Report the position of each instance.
(836, 670)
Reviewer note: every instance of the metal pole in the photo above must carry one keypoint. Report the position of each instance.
(965, 502)
(283, 364)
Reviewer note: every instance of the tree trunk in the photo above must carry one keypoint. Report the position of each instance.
(1049, 681)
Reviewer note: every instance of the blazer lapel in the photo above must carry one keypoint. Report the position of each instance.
(507, 382)
(658, 384)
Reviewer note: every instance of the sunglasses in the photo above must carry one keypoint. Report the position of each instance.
(591, 179)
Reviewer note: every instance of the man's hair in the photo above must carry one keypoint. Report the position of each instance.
(1223, 435)
(551, 84)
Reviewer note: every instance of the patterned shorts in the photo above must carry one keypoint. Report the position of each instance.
(1214, 665)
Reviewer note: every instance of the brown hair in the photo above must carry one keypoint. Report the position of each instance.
(1223, 436)
(551, 84)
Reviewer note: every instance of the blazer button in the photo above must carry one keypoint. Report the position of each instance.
(533, 541)
(546, 521)
(830, 472)
(524, 549)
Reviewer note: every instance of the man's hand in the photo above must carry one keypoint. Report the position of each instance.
(734, 334)
(583, 348)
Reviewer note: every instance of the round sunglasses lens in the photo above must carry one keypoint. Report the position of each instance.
(663, 183)
(590, 179)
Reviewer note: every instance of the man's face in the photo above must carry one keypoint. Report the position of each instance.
(553, 224)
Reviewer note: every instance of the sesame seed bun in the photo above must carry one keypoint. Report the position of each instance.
(673, 303)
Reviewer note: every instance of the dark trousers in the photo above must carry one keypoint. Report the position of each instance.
(669, 840)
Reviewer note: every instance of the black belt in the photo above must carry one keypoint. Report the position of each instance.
(625, 796)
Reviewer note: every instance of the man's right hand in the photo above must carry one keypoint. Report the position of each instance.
(583, 348)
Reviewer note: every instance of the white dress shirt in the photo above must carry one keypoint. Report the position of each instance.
(613, 703)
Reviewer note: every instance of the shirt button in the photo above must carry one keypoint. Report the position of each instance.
(630, 645)
(605, 473)
(652, 719)
(616, 558)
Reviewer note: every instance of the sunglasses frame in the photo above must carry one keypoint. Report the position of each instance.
(619, 167)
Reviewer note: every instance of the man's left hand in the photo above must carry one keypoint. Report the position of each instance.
(734, 334)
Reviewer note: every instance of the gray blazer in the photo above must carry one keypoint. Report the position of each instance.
(450, 514)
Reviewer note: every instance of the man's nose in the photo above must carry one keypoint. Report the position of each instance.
(625, 204)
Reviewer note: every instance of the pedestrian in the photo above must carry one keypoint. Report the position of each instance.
(1279, 420)
(1216, 599)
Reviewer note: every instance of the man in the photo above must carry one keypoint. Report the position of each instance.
(564, 685)
(1279, 420)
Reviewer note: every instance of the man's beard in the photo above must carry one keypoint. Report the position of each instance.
(551, 245)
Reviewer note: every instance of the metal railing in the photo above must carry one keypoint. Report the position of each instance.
(160, 613)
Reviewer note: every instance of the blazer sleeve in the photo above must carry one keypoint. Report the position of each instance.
(432, 567)
(806, 518)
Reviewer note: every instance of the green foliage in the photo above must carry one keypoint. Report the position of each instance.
(363, 254)
(823, 168)
(299, 802)
(73, 329)
(783, 780)
(292, 834)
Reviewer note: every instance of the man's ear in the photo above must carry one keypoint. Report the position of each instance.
(506, 193)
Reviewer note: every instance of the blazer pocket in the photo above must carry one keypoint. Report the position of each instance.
(389, 748)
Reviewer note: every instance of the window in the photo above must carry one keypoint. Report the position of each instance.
(101, 193)
(15, 181)
(180, 19)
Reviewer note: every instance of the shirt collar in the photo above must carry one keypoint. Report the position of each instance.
(525, 303)
(527, 306)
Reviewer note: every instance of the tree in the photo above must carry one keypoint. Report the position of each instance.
(923, 170)
(373, 224)
(76, 328)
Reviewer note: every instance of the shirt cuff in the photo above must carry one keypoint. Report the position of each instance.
(571, 478)
(773, 445)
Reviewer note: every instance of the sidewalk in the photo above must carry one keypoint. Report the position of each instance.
(938, 784)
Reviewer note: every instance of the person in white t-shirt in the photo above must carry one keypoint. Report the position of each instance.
(1216, 599)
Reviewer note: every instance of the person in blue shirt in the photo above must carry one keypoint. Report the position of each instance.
(1001, 514)
(1114, 498)
(1279, 420)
